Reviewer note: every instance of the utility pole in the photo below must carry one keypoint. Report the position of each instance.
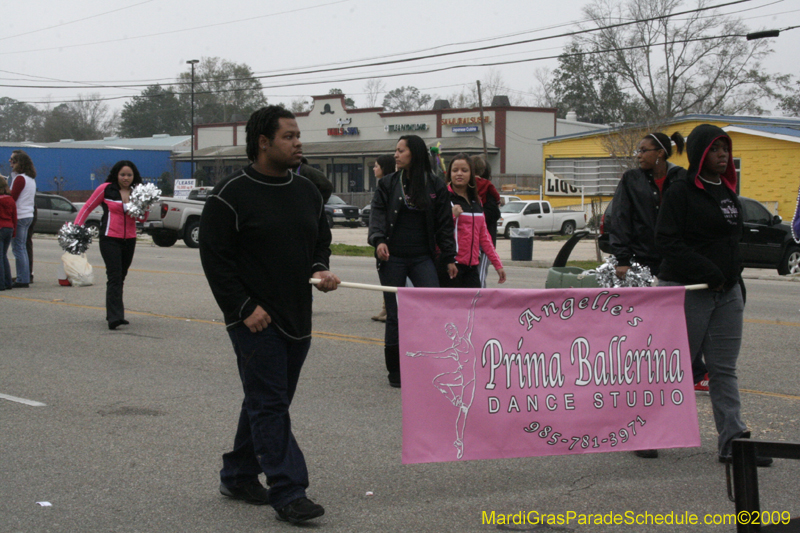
(483, 125)
(192, 62)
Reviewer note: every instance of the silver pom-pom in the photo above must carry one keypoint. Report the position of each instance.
(74, 239)
(637, 275)
(142, 197)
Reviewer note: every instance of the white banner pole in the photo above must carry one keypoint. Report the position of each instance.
(364, 286)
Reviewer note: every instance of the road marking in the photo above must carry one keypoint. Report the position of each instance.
(317, 334)
(774, 394)
(102, 267)
(772, 322)
(32, 403)
(348, 338)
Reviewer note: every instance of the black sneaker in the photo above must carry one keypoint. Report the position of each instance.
(760, 461)
(394, 379)
(299, 510)
(646, 454)
(253, 493)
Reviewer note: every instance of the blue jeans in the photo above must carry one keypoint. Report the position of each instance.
(393, 273)
(269, 367)
(21, 252)
(714, 322)
(5, 266)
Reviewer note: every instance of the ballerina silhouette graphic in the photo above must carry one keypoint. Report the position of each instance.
(457, 386)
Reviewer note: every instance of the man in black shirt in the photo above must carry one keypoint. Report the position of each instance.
(264, 235)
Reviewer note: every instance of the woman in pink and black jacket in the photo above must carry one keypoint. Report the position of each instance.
(471, 233)
(117, 233)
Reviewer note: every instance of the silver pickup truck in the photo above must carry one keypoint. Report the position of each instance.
(175, 218)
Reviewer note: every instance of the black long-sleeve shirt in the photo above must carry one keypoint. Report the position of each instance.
(262, 237)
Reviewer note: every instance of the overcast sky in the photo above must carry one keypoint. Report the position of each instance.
(98, 42)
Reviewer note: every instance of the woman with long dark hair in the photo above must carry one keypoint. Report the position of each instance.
(410, 216)
(117, 233)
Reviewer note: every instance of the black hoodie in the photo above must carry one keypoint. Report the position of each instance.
(697, 234)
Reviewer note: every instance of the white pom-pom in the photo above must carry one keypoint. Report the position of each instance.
(637, 275)
(74, 239)
(142, 197)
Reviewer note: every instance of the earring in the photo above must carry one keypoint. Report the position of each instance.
(657, 160)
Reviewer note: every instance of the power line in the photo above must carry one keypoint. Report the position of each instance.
(453, 67)
(412, 59)
(61, 47)
(74, 21)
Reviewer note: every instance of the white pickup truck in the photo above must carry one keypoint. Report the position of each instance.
(539, 215)
(175, 218)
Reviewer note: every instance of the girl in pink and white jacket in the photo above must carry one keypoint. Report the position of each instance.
(471, 234)
(117, 233)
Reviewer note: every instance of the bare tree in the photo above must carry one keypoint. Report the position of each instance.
(374, 88)
(460, 100)
(543, 91)
(299, 105)
(406, 99)
(493, 85)
(95, 114)
(664, 63)
(622, 141)
(223, 90)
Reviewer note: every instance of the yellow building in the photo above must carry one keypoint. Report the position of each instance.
(766, 153)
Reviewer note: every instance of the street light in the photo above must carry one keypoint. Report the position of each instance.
(192, 62)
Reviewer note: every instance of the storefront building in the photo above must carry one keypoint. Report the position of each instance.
(766, 153)
(344, 142)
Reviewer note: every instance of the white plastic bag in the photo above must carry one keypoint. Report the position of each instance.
(78, 270)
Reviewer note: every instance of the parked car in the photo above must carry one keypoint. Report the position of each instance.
(175, 218)
(766, 241)
(365, 211)
(53, 211)
(505, 198)
(94, 218)
(339, 211)
(199, 194)
(539, 215)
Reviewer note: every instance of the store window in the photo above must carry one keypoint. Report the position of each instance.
(568, 177)
(348, 177)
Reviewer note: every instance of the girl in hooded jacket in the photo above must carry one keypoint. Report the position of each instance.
(697, 234)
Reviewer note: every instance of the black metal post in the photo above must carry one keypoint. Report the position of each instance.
(192, 62)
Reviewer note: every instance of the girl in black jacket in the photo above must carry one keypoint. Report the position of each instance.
(410, 216)
(697, 234)
(637, 201)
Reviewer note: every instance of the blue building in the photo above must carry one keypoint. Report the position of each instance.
(75, 168)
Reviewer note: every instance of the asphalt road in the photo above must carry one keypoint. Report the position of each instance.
(134, 421)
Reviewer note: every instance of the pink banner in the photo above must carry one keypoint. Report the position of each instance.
(518, 373)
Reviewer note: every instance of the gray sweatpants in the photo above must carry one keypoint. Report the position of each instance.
(714, 322)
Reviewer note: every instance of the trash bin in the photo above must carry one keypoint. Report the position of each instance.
(569, 277)
(521, 244)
